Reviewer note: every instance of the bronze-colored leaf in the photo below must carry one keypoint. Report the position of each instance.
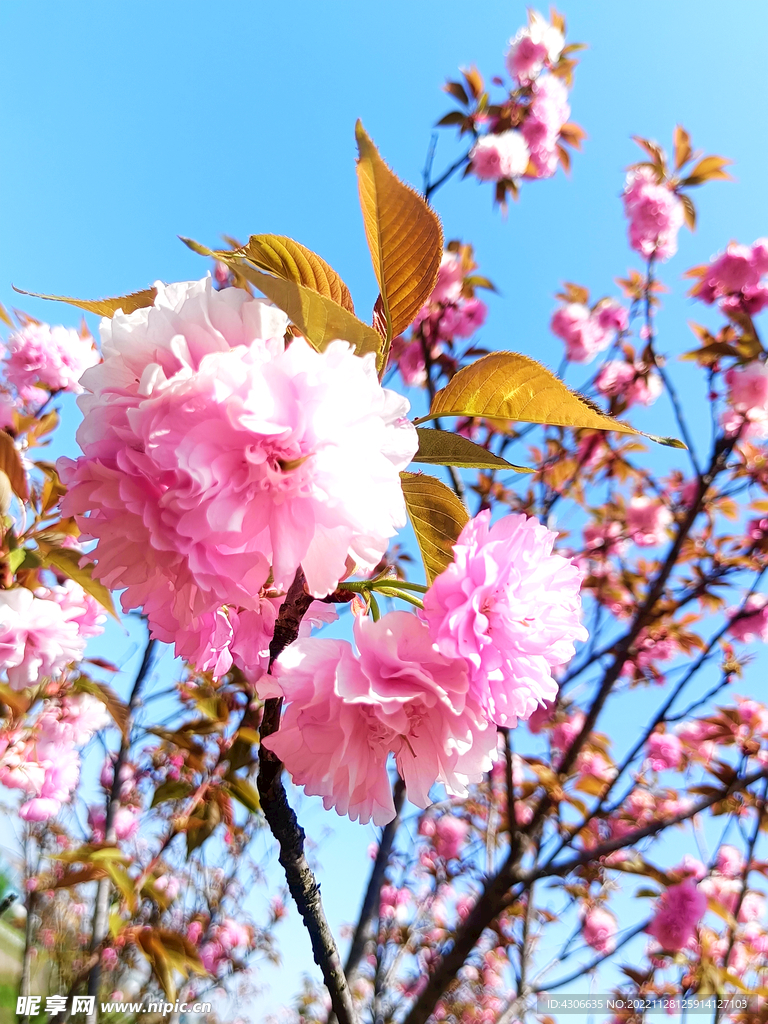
(404, 237)
(444, 448)
(320, 319)
(6, 318)
(102, 307)
(710, 168)
(437, 517)
(11, 465)
(68, 563)
(286, 259)
(683, 151)
(689, 211)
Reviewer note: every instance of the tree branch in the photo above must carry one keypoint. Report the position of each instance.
(285, 826)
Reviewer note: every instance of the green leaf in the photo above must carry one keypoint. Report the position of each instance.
(102, 307)
(16, 558)
(245, 793)
(437, 517)
(320, 320)
(443, 448)
(68, 562)
(287, 259)
(171, 789)
(404, 237)
(508, 386)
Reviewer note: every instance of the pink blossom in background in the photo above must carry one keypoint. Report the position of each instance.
(612, 316)
(126, 822)
(655, 214)
(565, 732)
(533, 47)
(345, 714)
(36, 637)
(79, 607)
(450, 836)
(748, 398)
(510, 608)
(82, 716)
(494, 157)
(752, 623)
(214, 456)
(664, 751)
(647, 521)
(729, 861)
(603, 539)
(39, 357)
(633, 382)
(231, 934)
(450, 279)
(581, 331)
(548, 112)
(678, 912)
(408, 355)
(733, 279)
(599, 930)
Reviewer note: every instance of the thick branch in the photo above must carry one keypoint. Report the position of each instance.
(286, 829)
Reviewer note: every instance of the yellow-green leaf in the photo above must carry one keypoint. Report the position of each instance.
(102, 307)
(68, 562)
(509, 386)
(171, 789)
(443, 448)
(404, 237)
(245, 793)
(291, 261)
(11, 465)
(437, 517)
(5, 317)
(320, 319)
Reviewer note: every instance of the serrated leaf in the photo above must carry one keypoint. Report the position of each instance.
(11, 465)
(102, 307)
(68, 563)
(286, 259)
(171, 789)
(404, 237)
(320, 319)
(509, 386)
(437, 517)
(444, 448)
(245, 794)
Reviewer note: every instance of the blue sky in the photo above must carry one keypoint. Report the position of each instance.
(125, 125)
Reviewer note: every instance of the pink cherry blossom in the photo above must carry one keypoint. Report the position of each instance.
(450, 836)
(215, 456)
(82, 715)
(679, 910)
(655, 214)
(494, 157)
(734, 278)
(664, 751)
(633, 382)
(408, 355)
(52, 358)
(450, 279)
(729, 861)
(647, 521)
(80, 608)
(510, 608)
(548, 112)
(536, 45)
(581, 331)
(565, 732)
(599, 930)
(751, 622)
(232, 934)
(345, 714)
(748, 398)
(126, 822)
(36, 637)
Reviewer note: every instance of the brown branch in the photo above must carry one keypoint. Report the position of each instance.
(285, 827)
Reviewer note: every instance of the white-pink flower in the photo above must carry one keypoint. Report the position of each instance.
(647, 521)
(734, 278)
(37, 639)
(655, 214)
(217, 460)
(748, 398)
(633, 382)
(548, 112)
(43, 357)
(533, 47)
(599, 929)
(509, 608)
(345, 714)
(494, 157)
(581, 330)
(664, 751)
(678, 912)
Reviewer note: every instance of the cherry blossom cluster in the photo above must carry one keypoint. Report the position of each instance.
(496, 623)
(218, 459)
(453, 312)
(734, 278)
(41, 360)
